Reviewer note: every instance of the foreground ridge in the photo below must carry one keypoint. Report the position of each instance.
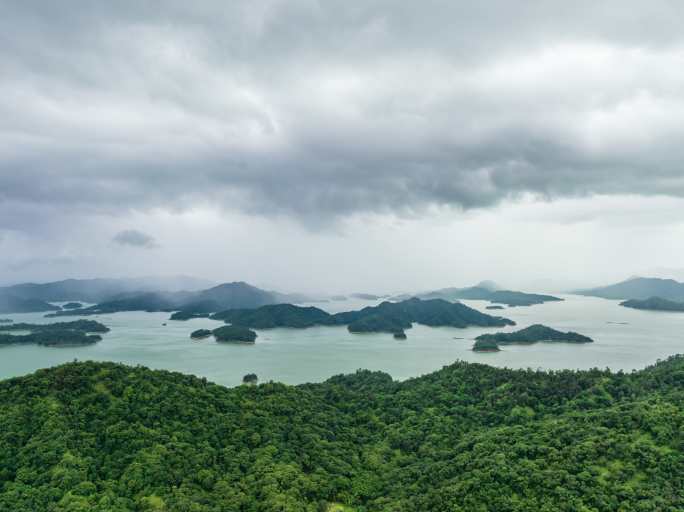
(108, 437)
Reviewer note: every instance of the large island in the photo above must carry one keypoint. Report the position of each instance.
(77, 333)
(389, 317)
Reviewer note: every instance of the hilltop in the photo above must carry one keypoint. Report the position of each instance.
(106, 437)
(392, 317)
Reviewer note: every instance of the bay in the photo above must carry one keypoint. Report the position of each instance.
(624, 339)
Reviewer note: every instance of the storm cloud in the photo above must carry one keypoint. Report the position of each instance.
(134, 238)
(324, 109)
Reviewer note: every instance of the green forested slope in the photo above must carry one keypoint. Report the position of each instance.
(106, 437)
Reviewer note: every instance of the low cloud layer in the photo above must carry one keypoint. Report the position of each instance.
(134, 238)
(321, 110)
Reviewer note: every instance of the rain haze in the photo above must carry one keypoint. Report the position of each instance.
(338, 146)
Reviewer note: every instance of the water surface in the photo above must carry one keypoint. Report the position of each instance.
(624, 339)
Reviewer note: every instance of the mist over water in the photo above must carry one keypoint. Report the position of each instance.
(624, 339)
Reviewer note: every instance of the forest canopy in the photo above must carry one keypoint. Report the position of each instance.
(106, 437)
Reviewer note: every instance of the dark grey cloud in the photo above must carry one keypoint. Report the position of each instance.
(134, 238)
(321, 109)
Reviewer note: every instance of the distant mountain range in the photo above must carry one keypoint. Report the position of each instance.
(218, 298)
(146, 294)
(99, 290)
(488, 291)
(639, 288)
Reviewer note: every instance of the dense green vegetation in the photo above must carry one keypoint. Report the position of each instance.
(485, 345)
(654, 304)
(102, 437)
(144, 302)
(200, 334)
(277, 315)
(388, 317)
(379, 323)
(56, 334)
(392, 316)
(54, 338)
(250, 378)
(234, 333)
(534, 334)
(76, 325)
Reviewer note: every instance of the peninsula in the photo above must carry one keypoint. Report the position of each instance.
(654, 304)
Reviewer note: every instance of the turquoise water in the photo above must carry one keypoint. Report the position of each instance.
(310, 355)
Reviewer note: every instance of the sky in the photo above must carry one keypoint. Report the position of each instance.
(335, 146)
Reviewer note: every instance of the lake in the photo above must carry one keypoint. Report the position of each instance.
(623, 339)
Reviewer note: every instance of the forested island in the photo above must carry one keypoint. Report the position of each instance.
(103, 437)
(654, 304)
(79, 332)
(486, 346)
(495, 306)
(200, 334)
(533, 334)
(234, 334)
(387, 317)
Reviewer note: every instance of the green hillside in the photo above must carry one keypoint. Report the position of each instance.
(107, 437)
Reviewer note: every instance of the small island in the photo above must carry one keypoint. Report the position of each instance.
(486, 346)
(187, 315)
(654, 304)
(495, 306)
(234, 334)
(200, 334)
(72, 305)
(60, 334)
(533, 334)
(399, 335)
